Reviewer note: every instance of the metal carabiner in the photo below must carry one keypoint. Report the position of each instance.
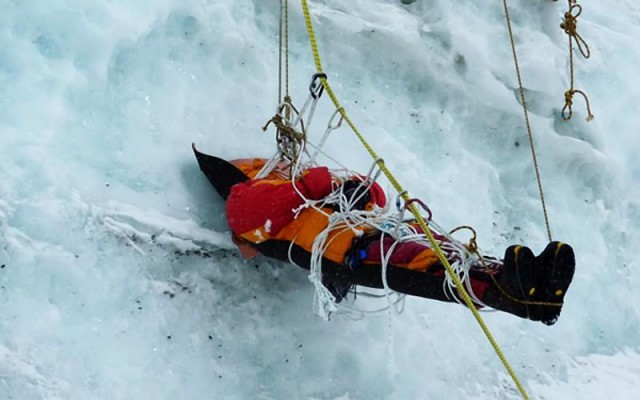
(400, 206)
(422, 204)
(317, 88)
(330, 125)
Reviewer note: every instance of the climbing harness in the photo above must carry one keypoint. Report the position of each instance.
(569, 25)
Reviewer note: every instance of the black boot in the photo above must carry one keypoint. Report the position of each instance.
(557, 263)
(533, 287)
(516, 285)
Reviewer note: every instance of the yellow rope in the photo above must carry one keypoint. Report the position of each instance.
(570, 26)
(526, 118)
(412, 206)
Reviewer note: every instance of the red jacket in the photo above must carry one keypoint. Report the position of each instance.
(264, 209)
(258, 210)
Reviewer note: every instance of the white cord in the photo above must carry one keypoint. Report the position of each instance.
(345, 218)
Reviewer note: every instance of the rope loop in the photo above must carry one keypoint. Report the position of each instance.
(472, 246)
(570, 27)
(286, 109)
(567, 110)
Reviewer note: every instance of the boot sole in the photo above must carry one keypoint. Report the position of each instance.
(559, 273)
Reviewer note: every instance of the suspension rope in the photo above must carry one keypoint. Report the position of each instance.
(570, 26)
(283, 47)
(280, 53)
(291, 141)
(286, 47)
(412, 206)
(526, 118)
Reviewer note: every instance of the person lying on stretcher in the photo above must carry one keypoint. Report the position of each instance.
(272, 216)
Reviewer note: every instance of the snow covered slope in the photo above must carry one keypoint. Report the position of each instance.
(118, 279)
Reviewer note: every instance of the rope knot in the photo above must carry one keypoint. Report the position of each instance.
(570, 26)
(568, 98)
(290, 141)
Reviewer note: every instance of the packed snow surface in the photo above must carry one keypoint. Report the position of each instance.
(118, 277)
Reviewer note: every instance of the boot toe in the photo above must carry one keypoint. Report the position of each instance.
(520, 280)
(558, 263)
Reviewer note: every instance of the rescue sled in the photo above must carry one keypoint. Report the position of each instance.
(223, 174)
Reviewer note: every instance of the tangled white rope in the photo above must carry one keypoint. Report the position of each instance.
(389, 222)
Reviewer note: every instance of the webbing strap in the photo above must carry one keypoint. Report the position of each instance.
(412, 207)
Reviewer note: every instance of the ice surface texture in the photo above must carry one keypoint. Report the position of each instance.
(119, 280)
